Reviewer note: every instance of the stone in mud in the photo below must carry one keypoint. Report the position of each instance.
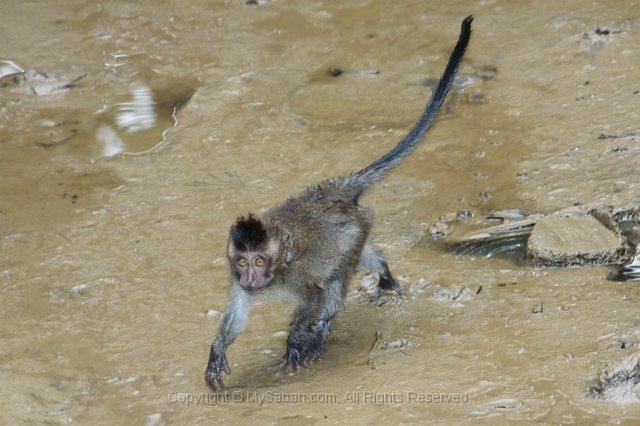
(576, 236)
(560, 241)
(619, 383)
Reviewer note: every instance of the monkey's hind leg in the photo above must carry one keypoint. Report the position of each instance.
(307, 333)
(374, 260)
(312, 322)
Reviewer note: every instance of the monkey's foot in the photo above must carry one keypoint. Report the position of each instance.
(312, 355)
(388, 282)
(217, 363)
(293, 358)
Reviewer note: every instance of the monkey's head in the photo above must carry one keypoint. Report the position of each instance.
(256, 253)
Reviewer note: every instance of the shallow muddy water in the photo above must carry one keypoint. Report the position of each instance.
(113, 270)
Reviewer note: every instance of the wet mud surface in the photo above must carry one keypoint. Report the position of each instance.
(112, 265)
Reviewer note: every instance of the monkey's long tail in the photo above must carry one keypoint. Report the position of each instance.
(361, 180)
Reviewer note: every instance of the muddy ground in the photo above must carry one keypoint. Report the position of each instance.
(113, 269)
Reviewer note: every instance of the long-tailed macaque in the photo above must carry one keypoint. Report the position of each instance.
(308, 247)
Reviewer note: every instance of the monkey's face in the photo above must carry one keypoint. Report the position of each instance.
(256, 253)
(254, 270)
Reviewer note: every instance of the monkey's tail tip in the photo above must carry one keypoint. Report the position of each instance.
(465, 28)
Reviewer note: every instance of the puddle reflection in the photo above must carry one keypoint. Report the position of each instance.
(509, 248)
(139, 113)
(109, 140)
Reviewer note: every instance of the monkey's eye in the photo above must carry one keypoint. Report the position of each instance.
(242, 262)
(259, 262)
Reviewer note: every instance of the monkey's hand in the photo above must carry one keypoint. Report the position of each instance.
(293, 358)
(217, 363)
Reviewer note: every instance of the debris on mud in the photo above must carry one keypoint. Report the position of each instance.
(339, 71)
(619, 383)
(454, 294)
(598, 37)
(8, 68)
(39, 83)
(440, 229)
(538, 308)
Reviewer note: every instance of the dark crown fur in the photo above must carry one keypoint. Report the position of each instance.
(248, 234)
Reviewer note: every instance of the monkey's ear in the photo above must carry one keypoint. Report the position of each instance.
(287, 249)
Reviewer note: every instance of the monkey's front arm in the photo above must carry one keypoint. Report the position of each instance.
(233, 322)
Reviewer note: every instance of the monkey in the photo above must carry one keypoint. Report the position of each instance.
(307, 248)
